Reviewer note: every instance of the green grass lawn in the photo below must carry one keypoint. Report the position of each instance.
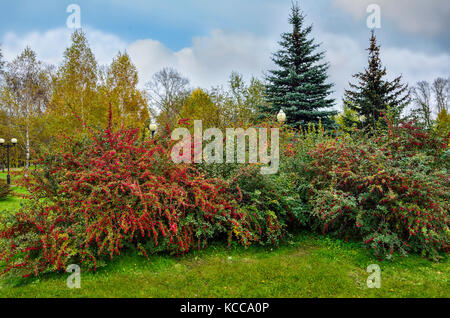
(308, 266)
(12, 202)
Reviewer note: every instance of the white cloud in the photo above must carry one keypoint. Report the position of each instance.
(207, 62)
(416, 66)
(414, 16)
(210, 59)
(347, 57)
(50, 45)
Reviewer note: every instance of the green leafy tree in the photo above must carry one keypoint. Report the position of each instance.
(199, 106)
(127, 101)
(246, 97)
(299, 85)
(373, 94)
(238, 103)
(25, 97)
(442, 125)
(75, 89)
(348, 119)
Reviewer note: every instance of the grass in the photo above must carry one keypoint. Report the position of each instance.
(12, 202)
(307, 266)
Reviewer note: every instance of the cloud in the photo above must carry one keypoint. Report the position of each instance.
(209, 60)
(347, 57)
(416, 66)
(430, 17)
(50, 45)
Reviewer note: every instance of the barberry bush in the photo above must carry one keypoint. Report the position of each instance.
(391, 190)
(272, 205)
(94, 198)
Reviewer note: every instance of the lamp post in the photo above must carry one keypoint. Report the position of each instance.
(281, 117)
(152, 128)
(7, 146)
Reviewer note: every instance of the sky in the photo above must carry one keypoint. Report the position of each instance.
(208, 39)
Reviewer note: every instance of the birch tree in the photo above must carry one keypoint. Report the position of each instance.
(167, 92)
(441, 90)
(422, 98)
(75, 90)
(25, 96)
(128, 102)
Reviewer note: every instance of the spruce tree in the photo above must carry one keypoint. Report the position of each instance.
(373, 95)
(299, 84)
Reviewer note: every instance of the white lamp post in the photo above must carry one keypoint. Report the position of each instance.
(152, 128)
(281, 117)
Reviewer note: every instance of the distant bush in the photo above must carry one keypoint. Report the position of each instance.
(442, 126)
(4, 189)
(391, 190)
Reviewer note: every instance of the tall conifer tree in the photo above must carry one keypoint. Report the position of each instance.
(299, 85)
(372, 96)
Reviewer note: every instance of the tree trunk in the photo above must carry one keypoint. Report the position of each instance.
(27, 150)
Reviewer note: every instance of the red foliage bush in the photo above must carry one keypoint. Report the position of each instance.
(95, 199)
(392, 191)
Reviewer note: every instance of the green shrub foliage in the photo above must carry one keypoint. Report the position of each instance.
(392, 191)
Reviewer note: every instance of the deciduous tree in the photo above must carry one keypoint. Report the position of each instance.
(441, 90)
(75, 89)
(422, 98)
(199, 106)
(25, 97)
(167, 91)
(127, 101)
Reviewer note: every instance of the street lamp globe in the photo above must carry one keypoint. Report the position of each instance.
(152, 127)
(14, 141)
(2, 141)
(281, 117)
